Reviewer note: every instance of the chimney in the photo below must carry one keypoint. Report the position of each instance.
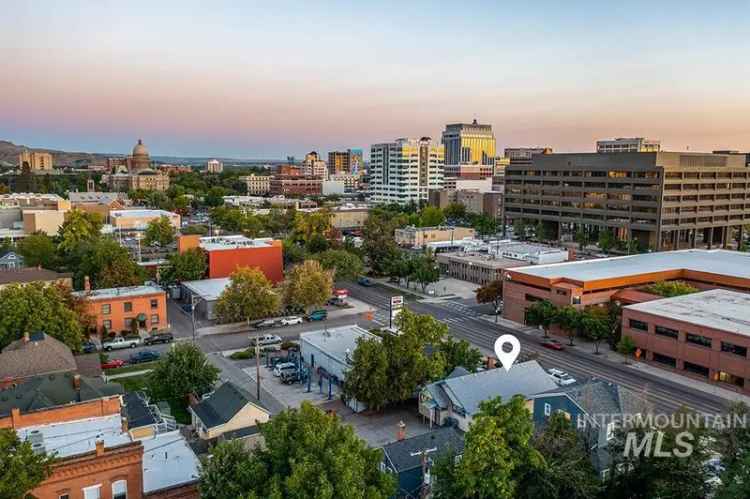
(491, 362)
(77, 382)
(26, 337)
(86, 284)
(401, 431)
(99, 448)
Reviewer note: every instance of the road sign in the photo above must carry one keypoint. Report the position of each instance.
(397, 302)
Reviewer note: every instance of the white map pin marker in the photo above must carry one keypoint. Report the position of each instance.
(507, 358)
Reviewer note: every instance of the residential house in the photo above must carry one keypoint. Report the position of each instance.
(34, 355)
(456, 399)
(11, 261)
(34, 274)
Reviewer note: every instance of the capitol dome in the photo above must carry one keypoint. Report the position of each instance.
(140, 149)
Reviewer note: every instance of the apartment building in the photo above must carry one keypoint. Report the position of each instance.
(227, 253)
(35, 161)
(116, 309)
(664, 200)
(138, 220)
(632, 144)
(257, 185)
(405, 170)
(418, 237)
(214, 166)
(296, 185)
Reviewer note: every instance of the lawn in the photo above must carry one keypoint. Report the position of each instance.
(138, 383)
(131, 368)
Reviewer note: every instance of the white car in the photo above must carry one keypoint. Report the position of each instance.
(283, 366)
(290, 321)
(561, 377)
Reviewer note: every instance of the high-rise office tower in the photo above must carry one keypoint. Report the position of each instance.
(356, 162)
(338, 162)
(466, 145)
(633, 144)
(405, 170)
(313, 165)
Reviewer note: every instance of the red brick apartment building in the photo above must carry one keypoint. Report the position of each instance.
(227, 253)
(705, 335)
(592, 282)
(115, 309)
(296, 185)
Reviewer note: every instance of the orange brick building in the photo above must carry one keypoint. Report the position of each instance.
(227, 253)
(115, 309)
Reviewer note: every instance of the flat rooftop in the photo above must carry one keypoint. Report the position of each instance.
(721, 262)
(208, 289)
(140, 213)
(717, 309)
(233, 242)
(109, 293)
(336, 341)
(481, 260)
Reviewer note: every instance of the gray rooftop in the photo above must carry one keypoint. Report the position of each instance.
(717, 309)
(722, 262)
(208, 289)
(222, 405)
(405, 454)
(109, 293)
(337, 341)
(467, 392)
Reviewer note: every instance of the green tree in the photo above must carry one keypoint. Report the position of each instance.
(308, 225)
(484, 225)
(21, 468)
(734, 440)
(459, 353)
(520, 228)
(431, 216)
(182, 370)
(401, 266)
(36, 307)
(669, 289)
(107, 264)
(367, 380)
(492, 292)
(607, 240)
(250, 295)
(307, 453)
(426, 270)
(38, 249)
(160, 231)
(498, 453)
(345, 265)
(455, 212)
(541, 313)
(595, 325)
(317, 244)
(568, 471)
(190, 265)
(293, 252)
(228, 473)
(215, 196)
(583, 238)
(626, 345)
(569, 320)
(735, 481)
(378, 242)
(544, 231)
(308, 285)
(79, 226)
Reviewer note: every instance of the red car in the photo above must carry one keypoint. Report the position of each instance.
(113, 364)
(552, 344)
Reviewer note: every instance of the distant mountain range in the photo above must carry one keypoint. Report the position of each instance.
(9, 157)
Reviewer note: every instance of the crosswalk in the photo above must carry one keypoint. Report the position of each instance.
(380, 317)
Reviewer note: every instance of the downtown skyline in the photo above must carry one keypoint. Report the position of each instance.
(254, 81)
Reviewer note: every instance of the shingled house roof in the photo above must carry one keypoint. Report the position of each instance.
(35, 354)
(222, 405)
(30, 274)
(405, 455)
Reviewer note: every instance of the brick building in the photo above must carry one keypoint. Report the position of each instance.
(115, 309)
(227, 253)
(296, 185)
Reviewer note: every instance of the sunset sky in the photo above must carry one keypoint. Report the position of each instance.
(269, 79)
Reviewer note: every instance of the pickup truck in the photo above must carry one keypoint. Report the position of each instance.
(120, 343)
(268, 342)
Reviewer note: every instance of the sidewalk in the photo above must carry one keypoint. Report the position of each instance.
(232, 372)
(445, 288)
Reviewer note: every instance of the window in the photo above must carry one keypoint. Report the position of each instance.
(665, 331)
(734, 349)
(636, 324)
(94, 492)
(696, 369)
(107, 325)
(698, 340)
(154, 303)
(665, 359)
(106, 309)
(547, 409)
(730, 378)
(120, 489)
(128, 306)
(128, 322)
(155, 319)
(63, 496)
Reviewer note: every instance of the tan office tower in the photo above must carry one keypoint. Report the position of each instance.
(405, 170)
(35, 161)
(338, 162)
(469, 144)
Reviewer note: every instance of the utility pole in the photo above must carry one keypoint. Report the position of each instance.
(426, 478)
(192, 313)
(257, 363)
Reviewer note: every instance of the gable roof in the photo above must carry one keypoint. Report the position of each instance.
(30, 274)
(468, 391)
(603, 398)
(136, 411)
(222, 405)
(43, 392)
(405, 454)
(35, 355)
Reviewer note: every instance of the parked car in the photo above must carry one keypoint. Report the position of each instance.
(89, 347)
(365, 281)
(158, 338)
(561, 377)
(317, 315)
(120, 342)
(289, 376)
(113, 364)
(290, 321)
(283, 366)
(144, 356)
(267, 342)
(552, 344)
(266, 323)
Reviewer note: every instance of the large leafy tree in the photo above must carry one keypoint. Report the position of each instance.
(308, 226)
(431, 216)
(308, 453)
(498, 453)
(182, 370)
(541, 313)
(569, 320)
(160, 231)
(36, 307)
(455, 212)
(367, 380)
(459, 353)
(79, 226)
(250, 295)
(596, 324)
(378, 241)
(189, 265)
(308, 285)
(492, 292)
(21, 469)
(568, 472)
(38, 249)
(107, 264)
(735, 481)
(426, 270)
(229, 472)
(344, 264)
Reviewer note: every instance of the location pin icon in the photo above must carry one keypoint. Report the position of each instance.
(507, 358)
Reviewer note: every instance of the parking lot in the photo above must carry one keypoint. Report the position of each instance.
(294, 394)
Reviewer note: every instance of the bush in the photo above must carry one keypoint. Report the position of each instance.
(103, 358)
(243, 355)
(626, 346)
(286, 345)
